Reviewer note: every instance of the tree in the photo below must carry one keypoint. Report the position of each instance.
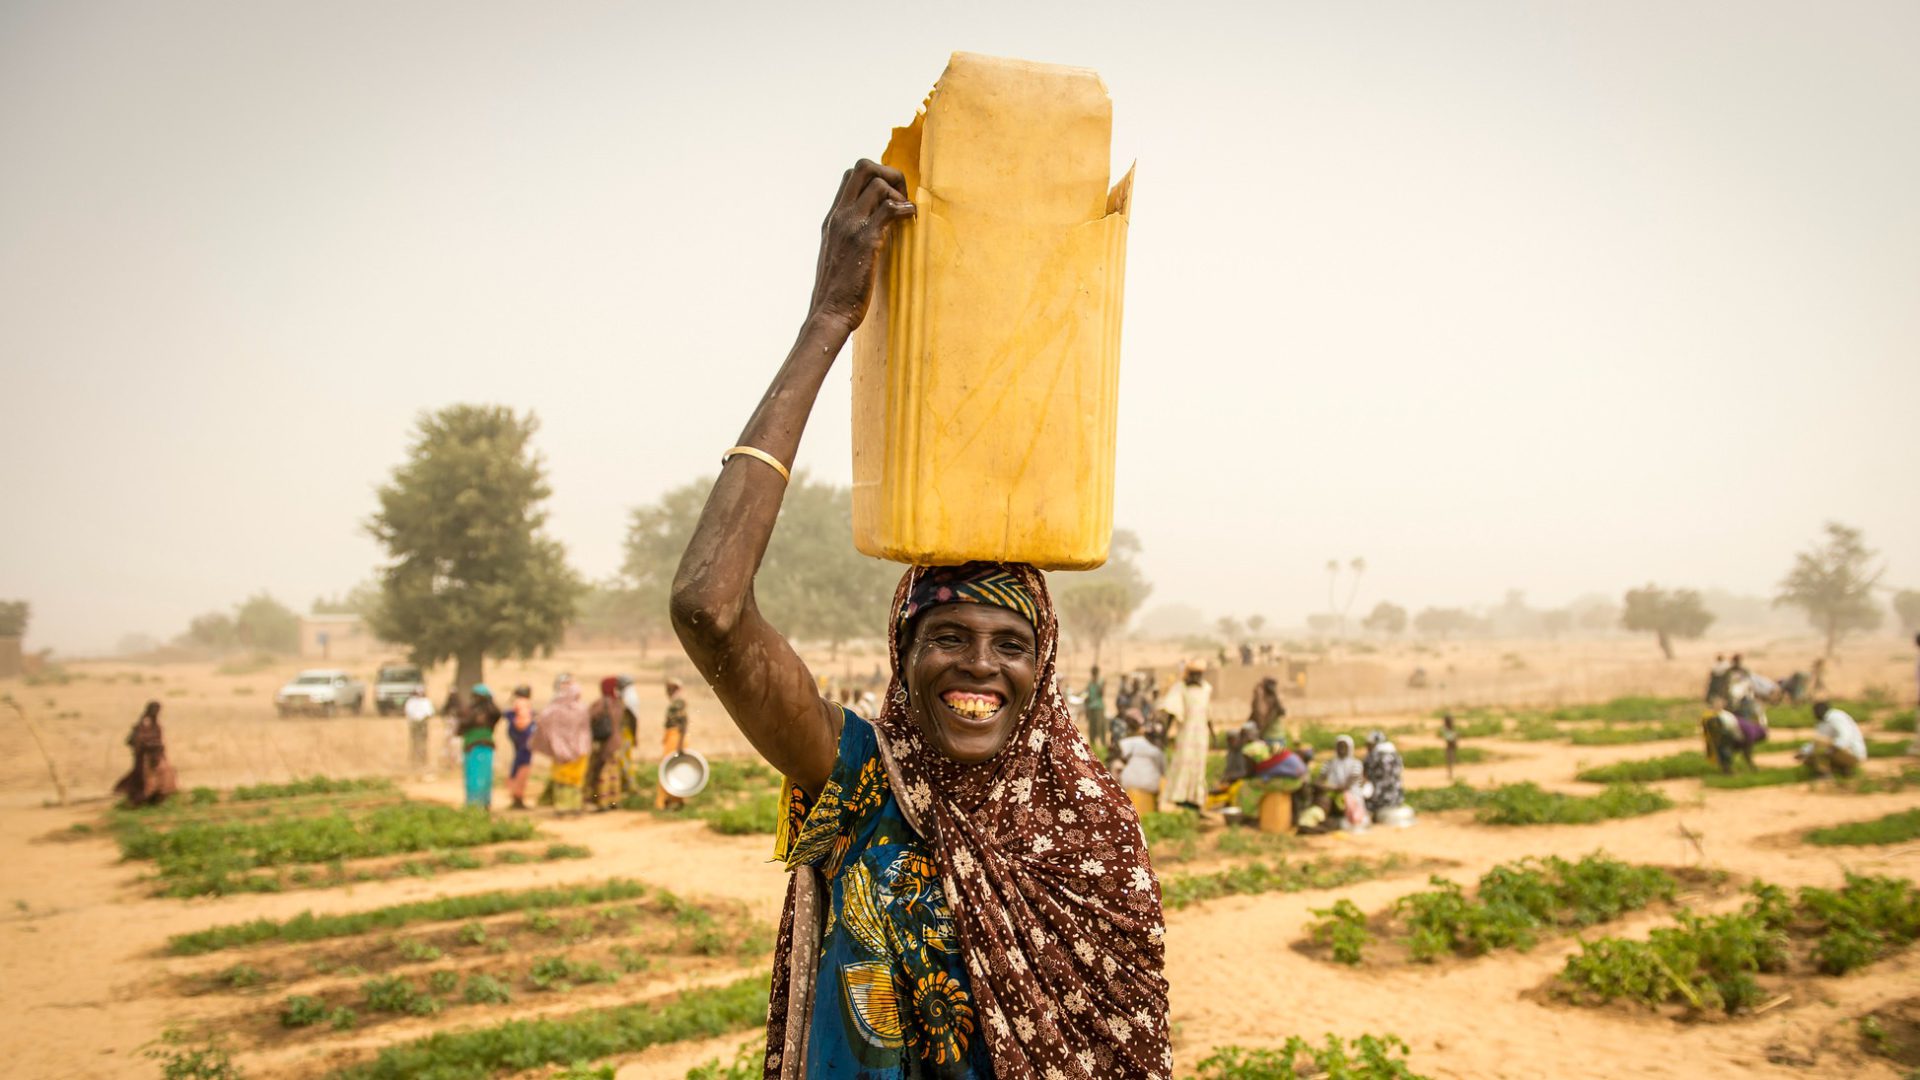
(1556, 622)
(813, 584)
(13, 618)
(1445, 622)
(213, 630)
(1388, 619)
(1229, 628)
(1832, 584)
(1255, 623)
(1667, 615)
(1099, 603)
(1333, 579)
(266, 624)
(472, 572)
(1359, 567)
(1906, 605)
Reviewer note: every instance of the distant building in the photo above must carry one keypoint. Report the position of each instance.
(336, 637)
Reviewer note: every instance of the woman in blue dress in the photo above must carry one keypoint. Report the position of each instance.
(971, 895)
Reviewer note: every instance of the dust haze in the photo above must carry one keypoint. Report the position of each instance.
(1560, 301)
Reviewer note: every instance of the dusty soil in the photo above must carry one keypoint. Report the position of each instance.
(88, 986)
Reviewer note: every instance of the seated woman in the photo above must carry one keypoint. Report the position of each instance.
(1343, 777)
(1384, 771)
(970, 894)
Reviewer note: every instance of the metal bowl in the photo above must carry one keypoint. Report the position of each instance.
(683, 774)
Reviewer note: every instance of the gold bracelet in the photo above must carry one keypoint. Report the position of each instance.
(761, 455)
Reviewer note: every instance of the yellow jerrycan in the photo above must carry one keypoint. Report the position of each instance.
(986, 373)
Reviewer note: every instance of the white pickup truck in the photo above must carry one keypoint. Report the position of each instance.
(323, 691)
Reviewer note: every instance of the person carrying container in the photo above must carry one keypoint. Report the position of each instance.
(991, 907)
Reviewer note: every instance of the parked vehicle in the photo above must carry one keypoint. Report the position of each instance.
(323, 691)
(394, 685)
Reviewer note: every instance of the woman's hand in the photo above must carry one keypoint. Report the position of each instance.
(871, 198)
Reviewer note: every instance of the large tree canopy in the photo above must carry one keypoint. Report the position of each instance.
(472, 571)
(812, 584)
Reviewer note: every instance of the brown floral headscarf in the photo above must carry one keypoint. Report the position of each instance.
(1046, 872)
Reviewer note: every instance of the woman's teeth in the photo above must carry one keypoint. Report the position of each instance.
(972, 706)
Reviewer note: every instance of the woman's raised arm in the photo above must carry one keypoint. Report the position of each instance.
(755, 672)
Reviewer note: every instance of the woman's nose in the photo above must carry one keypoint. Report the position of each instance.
(979, 658)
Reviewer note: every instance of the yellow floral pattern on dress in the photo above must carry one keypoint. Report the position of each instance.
(892, 997)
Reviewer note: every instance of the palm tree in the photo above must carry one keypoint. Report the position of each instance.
(1359, 567)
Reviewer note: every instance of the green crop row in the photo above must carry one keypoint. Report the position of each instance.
(1516, 901)
(307, 926)
(1428, 757)
(1684, 765)
(212, 857)
(1180, 890)
(1369, 1057)
(1529, 804)
(312, 785)
(519, 1045)
(1895, 828)
(1710, 962)
(1513, 905)
(1634, 733)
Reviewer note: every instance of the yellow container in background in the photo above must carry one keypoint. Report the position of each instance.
(986, 373)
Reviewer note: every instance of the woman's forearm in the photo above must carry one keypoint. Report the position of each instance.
(714, 582)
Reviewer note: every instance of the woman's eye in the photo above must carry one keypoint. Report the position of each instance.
(947, 641)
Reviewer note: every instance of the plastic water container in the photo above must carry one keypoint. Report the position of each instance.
(986, 374)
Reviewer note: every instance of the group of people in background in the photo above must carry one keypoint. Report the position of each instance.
(1157, 745)
(592, 746)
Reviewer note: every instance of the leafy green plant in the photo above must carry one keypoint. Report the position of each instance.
(485, 990)
(241, 977)
(561, 973)
(443, 982)
(414, 950)
(393, 994)
(1343, 928)
(586, 1036)
(749, 1063)
(1369, 1057)
(183, 1056)
(302, 1010)
(557, 852)
(1706, 962)
(471, 933)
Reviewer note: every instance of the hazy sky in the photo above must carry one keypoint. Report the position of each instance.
(1495, 295)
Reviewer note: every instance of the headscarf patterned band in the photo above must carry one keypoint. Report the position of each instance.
(971, 583)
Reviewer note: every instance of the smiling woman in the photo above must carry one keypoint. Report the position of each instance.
(971, 895)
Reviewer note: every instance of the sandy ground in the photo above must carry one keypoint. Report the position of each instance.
(86, 986)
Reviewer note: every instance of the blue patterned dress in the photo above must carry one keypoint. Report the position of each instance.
(892, 998)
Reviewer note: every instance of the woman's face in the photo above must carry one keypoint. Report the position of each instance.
(970, 673)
